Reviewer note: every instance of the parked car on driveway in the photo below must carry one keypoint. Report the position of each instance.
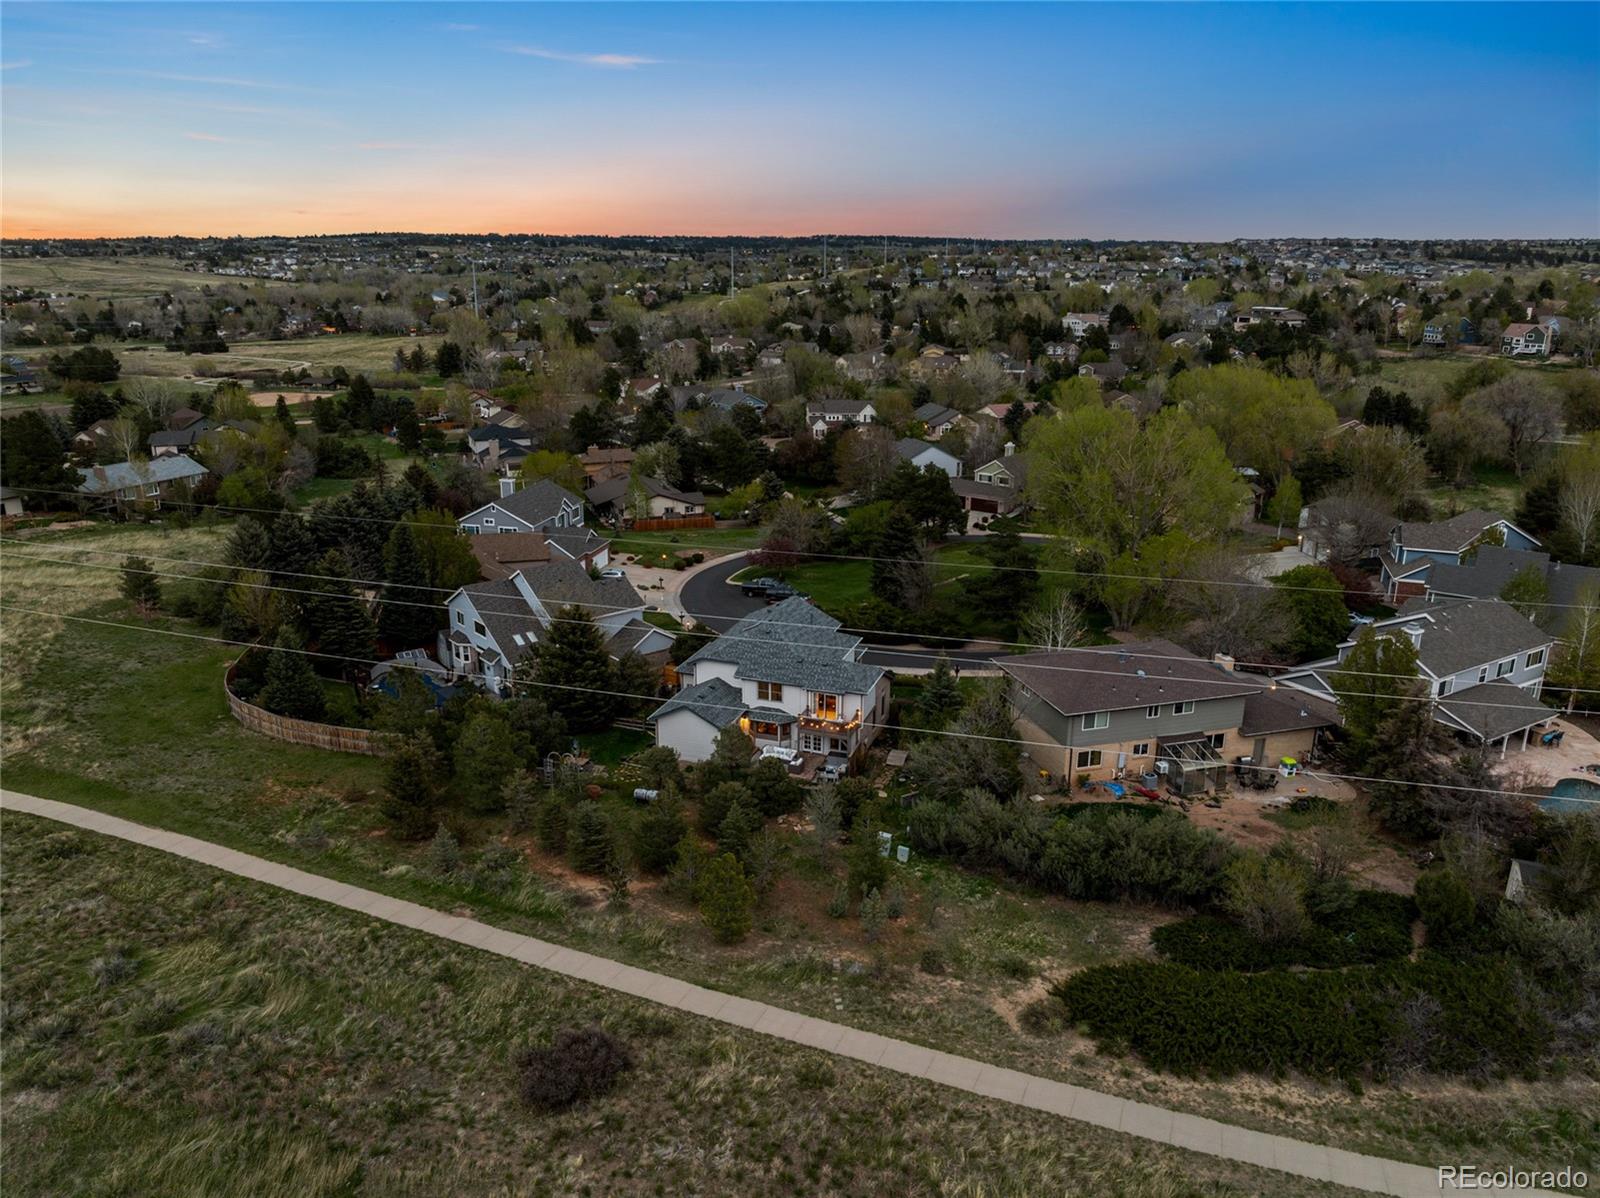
(613, 572)
(757, 588)
(779, 591)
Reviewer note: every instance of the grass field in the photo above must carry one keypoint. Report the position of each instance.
(130, 721)
(356, 352)
(175, 1031)
(710, 541)
(1424, 378)
(115, 278)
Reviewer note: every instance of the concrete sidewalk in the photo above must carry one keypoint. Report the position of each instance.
(1350, 1169)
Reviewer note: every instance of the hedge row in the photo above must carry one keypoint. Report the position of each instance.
(1087, 856)
(1375, 927)
(1434, 1014)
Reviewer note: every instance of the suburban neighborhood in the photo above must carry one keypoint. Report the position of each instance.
(1008, 701)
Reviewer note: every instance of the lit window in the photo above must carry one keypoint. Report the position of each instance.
(769, 692)
(828, 706)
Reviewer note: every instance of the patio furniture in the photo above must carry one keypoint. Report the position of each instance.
(1552, 738)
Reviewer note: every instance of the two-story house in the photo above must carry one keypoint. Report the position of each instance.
(1569, 589)
(939, 420)
(494, 625)
(995, 487)
(498, 447)
(787, 676)
(541, 506)
(502, 555)
(1416, 547)
(1079, 323)
(1152, 707)
(1481, 661)
(1525, 340)
(825, 415)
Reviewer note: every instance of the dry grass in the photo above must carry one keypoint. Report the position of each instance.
(356, 352)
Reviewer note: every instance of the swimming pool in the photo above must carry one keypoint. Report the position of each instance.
(1570, 796)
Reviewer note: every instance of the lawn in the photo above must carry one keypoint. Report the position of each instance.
(356, 352)
(117, 278)
(130, 721)
(172, 1030)
(710, 541)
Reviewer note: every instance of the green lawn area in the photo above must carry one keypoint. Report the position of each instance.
(610, 747)
(265, 1043)
(42, 399)
(709, 541)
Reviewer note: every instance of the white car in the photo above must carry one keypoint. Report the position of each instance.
(789, 757)
(613, 572)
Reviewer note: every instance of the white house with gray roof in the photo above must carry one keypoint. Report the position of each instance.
(494, 625)
(541, 506)
(787, 676)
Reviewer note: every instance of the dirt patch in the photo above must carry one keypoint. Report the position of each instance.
(269, 399)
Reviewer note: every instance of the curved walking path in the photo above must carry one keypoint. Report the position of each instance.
(1176, 1128)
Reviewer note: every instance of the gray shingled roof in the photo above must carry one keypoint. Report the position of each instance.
(102, 480)
(537, 502)
(615, 489)
(1285, 710)
(1494, 565)
(716, 702)
(1449, 536)
(1118, 677)
(795, 644)
(1462, 633)
(1491, 710)
(559, 583)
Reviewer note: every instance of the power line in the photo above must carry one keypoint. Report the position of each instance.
(652, 698)
(624, 538)
(1248, 687)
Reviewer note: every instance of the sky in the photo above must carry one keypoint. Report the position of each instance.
(1191, 121)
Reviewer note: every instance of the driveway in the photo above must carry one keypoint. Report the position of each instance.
(710, 599)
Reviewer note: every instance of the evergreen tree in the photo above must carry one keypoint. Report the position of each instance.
(359, 402)
(716, 803)
(249, 545)
(575, 673)
(485, 757)
(550, 822)
(423, 483)
(774, 789)
(336, 618)
(292, 686)
(90, 404)
(1371, 681)
(448, 361)
(730, 758)
(409, 614)
(737, 827)
(411, 789)
(941, 695)
(292, 552)
(139, 584)
(656, 834)
(898, 550)
(407, 428)
(33, 460)
(727, 899)
(284, 417)
(589, 838)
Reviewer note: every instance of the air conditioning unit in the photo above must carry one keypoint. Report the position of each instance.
(1161, 767)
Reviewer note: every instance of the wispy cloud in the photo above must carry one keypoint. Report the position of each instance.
(217, 81)
(17, 65)
(615, 62)
(208, 41)
(193, 136)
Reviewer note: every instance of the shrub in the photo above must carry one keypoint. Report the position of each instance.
(656, 834)
(577, 1065)
(1343, 1024)
(1375, 926)
(839, 901)
(444, 853)
(112, 969)
(715, 803)
(873, 914)
(589, 846)
(736, 829)
(1446, 905)
(690, 859)
(1267, 895)
(550, 821)
(726, 899)
(932, 960)
(869, 869)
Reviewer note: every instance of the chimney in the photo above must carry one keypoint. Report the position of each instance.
(1223, 660)
(1010, 448)
(1414, 631)
(508, 487)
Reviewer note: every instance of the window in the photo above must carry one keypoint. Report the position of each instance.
(477, 626)
(153, 489)
(1142, 749)
(1446, 685)
(461, 618)
(1505, 667)
(838, 745)
(1535, 658)
(1217, 738)
(1152, 713)
(1088, 759)
(769, 692)
(811, 742)
(761, 728)
(1096, 719)
(488, 519)
(827, 706)
(1184, 708)
(1483, 674)
(471, 529)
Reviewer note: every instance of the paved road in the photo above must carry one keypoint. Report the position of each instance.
(1177, 1128)
(709, 598)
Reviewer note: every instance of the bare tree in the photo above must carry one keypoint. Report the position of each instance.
(1530, 413)
(1225, 611)
(1350, 524)
(865, 458)
(1057, 622)
(1579, 497)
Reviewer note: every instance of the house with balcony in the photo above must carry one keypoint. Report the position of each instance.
(786, 675)
(1482, 662)
(1415, 547)
(493, 626)
(1522, 340)
(1152, 707)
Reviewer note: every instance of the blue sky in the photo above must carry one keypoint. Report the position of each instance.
(1100, 120)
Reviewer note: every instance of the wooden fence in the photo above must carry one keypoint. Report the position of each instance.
(672, 523)
(304, 732)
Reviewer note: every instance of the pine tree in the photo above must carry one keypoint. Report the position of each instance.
(485, 757)
(589, 838)
(139, 585)
(292, 551)
(574, 672)
(730, 757)
(292, 686)
(726, 899)
(736, 829)
(898, 550)
(33, 460)
(656, 834)
(284, 417)
(716, 803)
(336, 618)
(409, 614)
(359, 402)
(411, 792)
(550, 823)
(941, 695)
(249, 545)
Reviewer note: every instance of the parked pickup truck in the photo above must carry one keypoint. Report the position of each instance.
(757, 588)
